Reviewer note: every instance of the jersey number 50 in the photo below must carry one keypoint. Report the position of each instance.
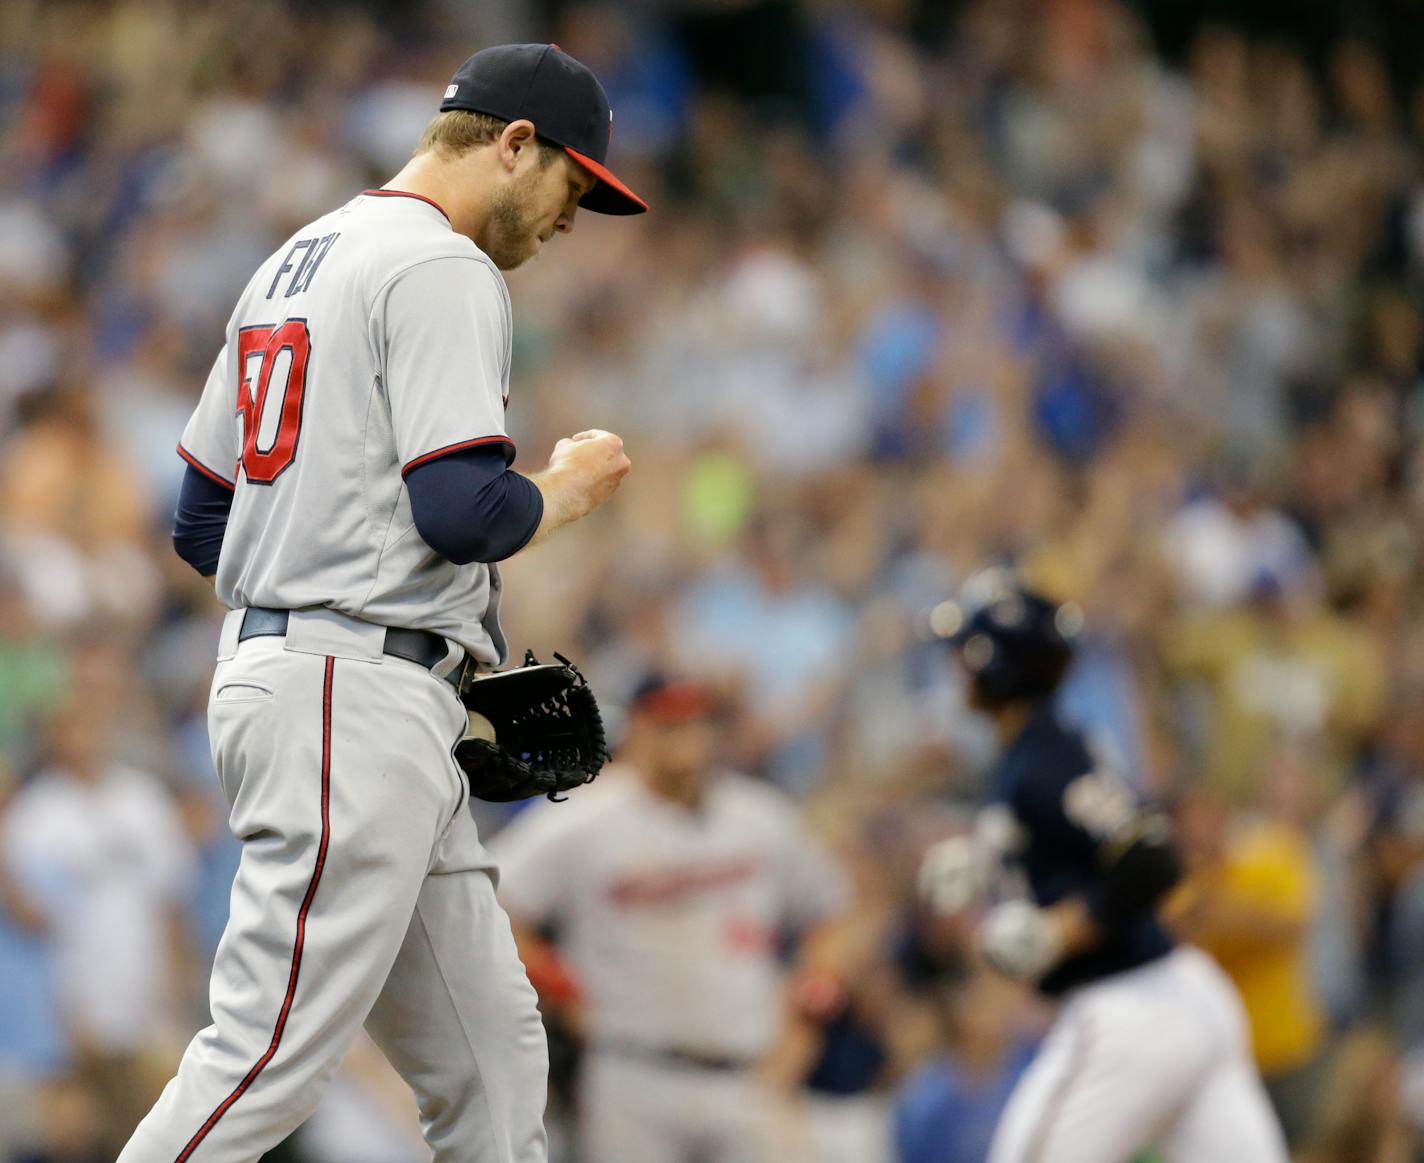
(269, 435)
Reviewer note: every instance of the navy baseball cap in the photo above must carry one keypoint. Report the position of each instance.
(543, 84)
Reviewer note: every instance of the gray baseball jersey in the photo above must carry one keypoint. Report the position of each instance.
(375, 339)
(671, 917)
(672, 920)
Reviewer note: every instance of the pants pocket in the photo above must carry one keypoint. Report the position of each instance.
(241, 692)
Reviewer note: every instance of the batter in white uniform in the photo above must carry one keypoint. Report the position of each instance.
(348, 484)
(669, 885)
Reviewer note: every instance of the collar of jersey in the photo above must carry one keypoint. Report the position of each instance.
(408, 194)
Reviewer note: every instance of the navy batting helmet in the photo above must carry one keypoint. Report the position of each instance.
(1015, 643)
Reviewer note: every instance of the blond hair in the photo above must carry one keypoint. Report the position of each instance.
(457, 131)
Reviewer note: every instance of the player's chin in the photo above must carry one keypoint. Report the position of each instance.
(511, 259)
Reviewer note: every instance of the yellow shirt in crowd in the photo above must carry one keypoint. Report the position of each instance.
(1268, 870)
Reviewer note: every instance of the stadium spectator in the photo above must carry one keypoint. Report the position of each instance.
(947, 1109)
(1280, 668)
(69, 1125)
(1363, 1116)
(99, 850)
(1252, 894)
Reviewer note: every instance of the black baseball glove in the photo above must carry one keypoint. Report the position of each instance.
(534, 731)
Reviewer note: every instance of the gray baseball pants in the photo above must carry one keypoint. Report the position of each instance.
(363, 897)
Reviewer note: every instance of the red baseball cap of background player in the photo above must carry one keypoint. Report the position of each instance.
(543, 84)
(670, 700)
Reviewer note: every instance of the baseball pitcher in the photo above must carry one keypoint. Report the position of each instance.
(349, 486)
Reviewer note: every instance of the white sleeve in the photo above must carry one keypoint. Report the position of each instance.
(538, 857)
(210, 441)
(441, 331)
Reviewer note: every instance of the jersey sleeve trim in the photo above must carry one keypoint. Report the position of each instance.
(509, 451)
(205, 470)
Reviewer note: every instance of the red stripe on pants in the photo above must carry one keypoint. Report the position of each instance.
(261, 1063)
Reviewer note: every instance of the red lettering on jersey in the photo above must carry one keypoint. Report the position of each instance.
(744, 935)
(669, 885)
(263, 466)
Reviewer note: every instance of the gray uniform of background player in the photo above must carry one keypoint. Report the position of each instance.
(672, 918)
(364, 894)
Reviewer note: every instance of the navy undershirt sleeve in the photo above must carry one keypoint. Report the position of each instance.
(201, 520)
(469, 506)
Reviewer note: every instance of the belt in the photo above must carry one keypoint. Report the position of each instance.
(422, 647)
(726, 1063)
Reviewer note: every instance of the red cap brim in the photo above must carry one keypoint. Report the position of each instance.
(609, 195)
(678, 702)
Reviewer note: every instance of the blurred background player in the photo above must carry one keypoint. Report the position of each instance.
(671, 887)
(1096, 868)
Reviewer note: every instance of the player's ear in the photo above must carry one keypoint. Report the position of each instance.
(516, 139)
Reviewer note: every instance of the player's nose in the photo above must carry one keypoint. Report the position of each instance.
(565, 222)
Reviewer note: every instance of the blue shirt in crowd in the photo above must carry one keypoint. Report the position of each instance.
(945, 1115)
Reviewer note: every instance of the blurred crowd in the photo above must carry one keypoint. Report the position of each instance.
(922, 290)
